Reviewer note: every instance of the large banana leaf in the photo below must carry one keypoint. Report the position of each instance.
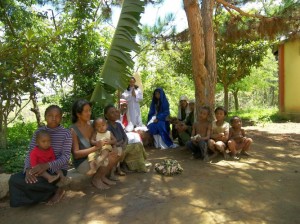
(116, 70)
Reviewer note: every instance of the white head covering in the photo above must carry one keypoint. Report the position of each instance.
(123, 101)
(187, 109)
(183, 97)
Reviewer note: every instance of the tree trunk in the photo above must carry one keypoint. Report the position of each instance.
(272, 93)
(194, 19)
(3, 128)
(226, 97)
(210, 52)
(36, 109)
(236, 100)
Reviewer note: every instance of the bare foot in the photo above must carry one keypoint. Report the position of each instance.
(64, 181)
(234, 157)
(107, 181)
(91, 172)
(99, 184)
(114, 178)
(57, 196)
(120, 172)
(246, 153)
(53, 178)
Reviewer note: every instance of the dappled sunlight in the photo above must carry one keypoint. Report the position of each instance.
(275, 148)
(262, 188)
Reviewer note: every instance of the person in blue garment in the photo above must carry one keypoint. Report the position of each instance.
(158, 125)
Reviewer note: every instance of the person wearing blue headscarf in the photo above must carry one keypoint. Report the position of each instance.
(158, 126)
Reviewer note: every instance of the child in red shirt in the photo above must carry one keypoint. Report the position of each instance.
(43, 153)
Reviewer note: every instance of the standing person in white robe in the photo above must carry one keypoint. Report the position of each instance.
(134, 96)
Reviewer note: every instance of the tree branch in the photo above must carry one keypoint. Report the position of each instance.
(228, 5)
(19, 111)
(9, 23)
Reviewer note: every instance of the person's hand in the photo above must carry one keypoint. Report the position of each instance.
(99, 144)
(155, 121)
(30, 179)
(106, 142)
(39, 169)
(133, 93)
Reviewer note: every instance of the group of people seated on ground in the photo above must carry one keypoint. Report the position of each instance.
(208, 139)
(113, 145)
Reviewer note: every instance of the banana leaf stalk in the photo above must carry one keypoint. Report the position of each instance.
(117, 68)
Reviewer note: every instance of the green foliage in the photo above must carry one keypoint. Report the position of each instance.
(12, 159)
(19, 136)
(116, 71)
(20, 133)
(256, 116)
(157, 69)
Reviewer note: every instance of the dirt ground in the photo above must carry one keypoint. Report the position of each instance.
(263, 188)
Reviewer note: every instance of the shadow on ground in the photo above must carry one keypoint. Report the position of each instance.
(263, 188)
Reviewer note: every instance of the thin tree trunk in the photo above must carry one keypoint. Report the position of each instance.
(226, 97)
(236, 100)
(36, 109)
(194, 19)
(3, 130)
(272, 93)
(210, 52)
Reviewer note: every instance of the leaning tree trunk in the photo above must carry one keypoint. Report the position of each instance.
(36, 109)
(226, 97)
(194, 19)
(3, 131)
(236, 100)
(210, 52)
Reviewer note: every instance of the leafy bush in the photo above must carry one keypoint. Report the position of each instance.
(259, 115)
(20, 134)
(12, 159)
(18, 138)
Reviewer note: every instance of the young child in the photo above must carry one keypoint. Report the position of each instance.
(200, 135)
(43, 153)
(101, 134)
(219, 134)
(238, 142)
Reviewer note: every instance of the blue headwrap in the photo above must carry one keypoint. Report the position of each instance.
(164, 108)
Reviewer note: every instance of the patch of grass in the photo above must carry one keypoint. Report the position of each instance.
(260, 116)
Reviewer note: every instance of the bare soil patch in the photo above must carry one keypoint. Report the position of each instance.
(263, 188)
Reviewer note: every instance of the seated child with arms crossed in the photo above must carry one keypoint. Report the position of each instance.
(100, 135)
(238, 142)
(200, 135)
(43, 153)
(219, 134)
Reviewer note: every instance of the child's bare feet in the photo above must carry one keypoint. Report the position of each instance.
(91, 172)
(57, 196)
(234, 157)
(107, 181)
(113, 177)
(246, 153)
(51, 179)
(120, 172)
(64, 181)
(99, 184)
